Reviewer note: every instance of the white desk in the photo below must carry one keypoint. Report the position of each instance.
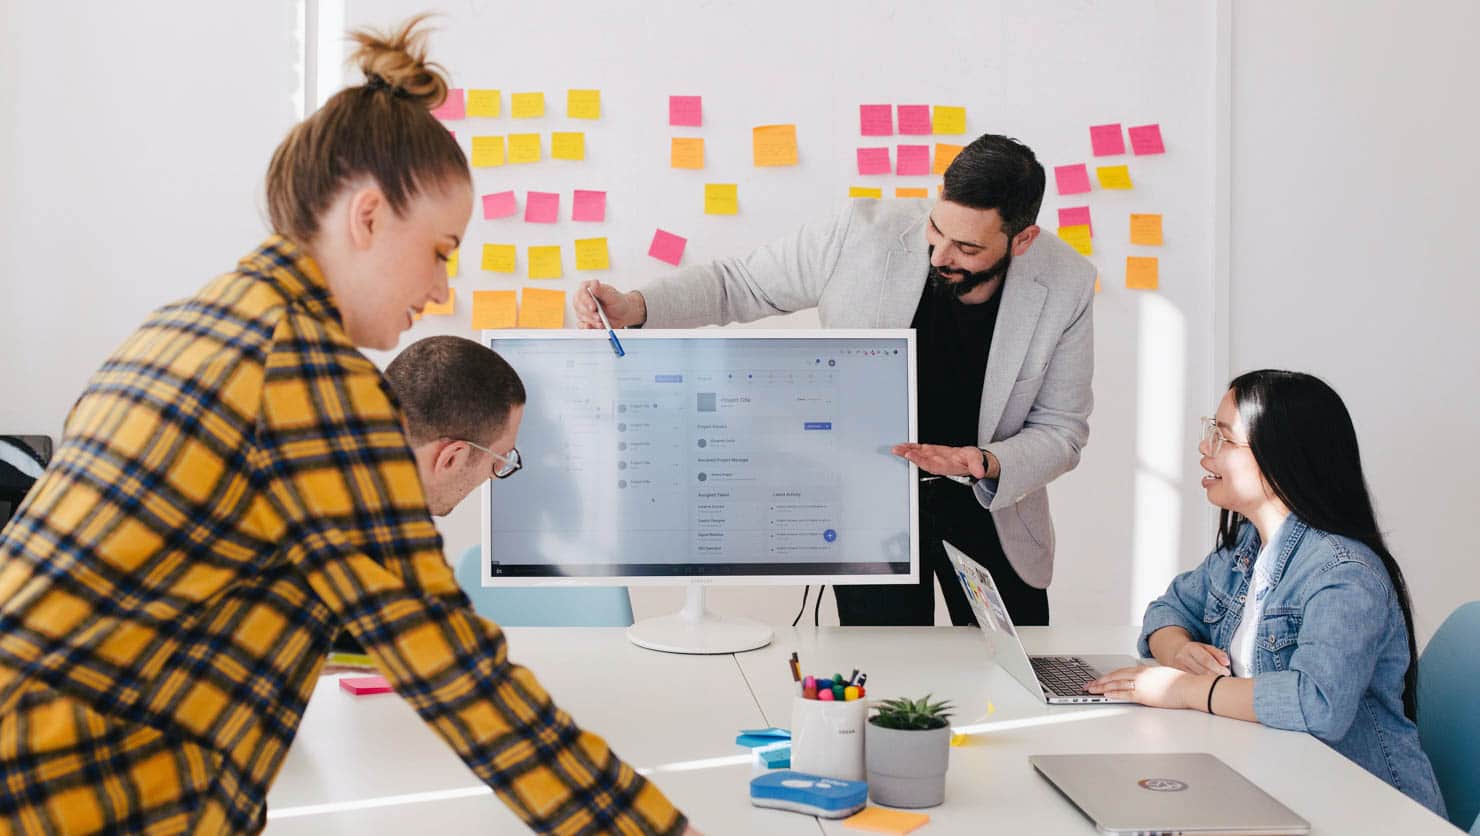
(352, 750)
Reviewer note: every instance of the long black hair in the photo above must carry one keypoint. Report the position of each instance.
(1303, 440)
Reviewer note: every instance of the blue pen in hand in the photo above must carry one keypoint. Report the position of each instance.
(611, 335)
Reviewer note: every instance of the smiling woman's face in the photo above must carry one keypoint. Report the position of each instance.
(1232, 478)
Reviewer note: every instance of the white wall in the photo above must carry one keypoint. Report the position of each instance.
(1354, 181)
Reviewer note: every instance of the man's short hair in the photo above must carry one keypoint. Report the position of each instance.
(997, 172)
(451, 387)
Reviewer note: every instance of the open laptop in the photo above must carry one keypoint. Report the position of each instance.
(1173, 793)
(1058, 680)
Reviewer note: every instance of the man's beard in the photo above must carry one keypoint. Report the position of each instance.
(959, 282)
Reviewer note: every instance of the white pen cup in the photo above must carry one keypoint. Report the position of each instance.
(827, 738)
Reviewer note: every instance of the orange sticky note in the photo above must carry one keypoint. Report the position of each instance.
(945, 154)
(498, 258)
(687, 152)
(1077, 236)
(948, 120)
(567, 145)
(591, 254)
(1146, 230)
(544, 262)
(865, 191)
(446, 308)
(775, 145)
(483, 103)
(1114, 176)
(583, 104)
(1097, 282)
(488, 151)
(883, 820)
(542, 308)
(524, 148)
(452, 264)
(494, 309)
(721, 199)
(528, 105)
(912, 193)
(1141, 272)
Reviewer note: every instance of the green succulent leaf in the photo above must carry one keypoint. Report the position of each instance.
(906, 714)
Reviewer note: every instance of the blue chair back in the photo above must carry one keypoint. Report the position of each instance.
(543, 606)
(1448, 725)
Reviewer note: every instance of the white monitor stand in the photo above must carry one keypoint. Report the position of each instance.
(695, 629)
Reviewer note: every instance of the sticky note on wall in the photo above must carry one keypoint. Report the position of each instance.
(488, 151)
(873, 161)
(1146, 230)
(1106, 140)
(499, 258)
(686, 111)
(541, 308)
(1077, 236)
(1071, 179)
(583, 104)
(912, 160)
(567, 145)
(1141, 272)
(499, 205)
(1076, 216)
(876, 120)
(914, 120)
(484, 104)
(544, 262)
(686, 152)
(541, 207)
(527, 105)
(524, 148)
(452, 264)
(1114, 176)
(494, 309)
(774, 145)
(721, 199)
(912, 193)
(592, 254)
(589, 205)
(948, 120)
(1146, 139)
(667, 247)
(945, 154)
(453, 107)
(866, 192)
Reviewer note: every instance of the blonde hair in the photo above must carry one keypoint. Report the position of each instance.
(382, 129)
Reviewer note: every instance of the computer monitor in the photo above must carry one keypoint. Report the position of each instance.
(735, 456)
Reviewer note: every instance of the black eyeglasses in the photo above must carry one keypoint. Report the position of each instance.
(507, 465)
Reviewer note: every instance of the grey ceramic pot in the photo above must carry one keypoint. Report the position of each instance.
(906, 768)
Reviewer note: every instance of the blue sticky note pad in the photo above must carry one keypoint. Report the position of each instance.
(776, 756)
(771, 732)
(827, 798)
(753, 738)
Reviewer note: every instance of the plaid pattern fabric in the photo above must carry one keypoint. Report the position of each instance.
(234, 485)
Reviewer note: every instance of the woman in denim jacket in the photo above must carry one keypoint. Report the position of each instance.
(1300, 619)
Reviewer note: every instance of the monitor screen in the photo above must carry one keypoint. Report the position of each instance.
(717, 455)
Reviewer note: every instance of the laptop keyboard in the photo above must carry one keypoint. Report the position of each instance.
(1063, 676)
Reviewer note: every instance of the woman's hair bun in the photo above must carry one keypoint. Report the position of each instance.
(398, 60)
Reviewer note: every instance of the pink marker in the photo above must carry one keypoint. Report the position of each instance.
(825, 695)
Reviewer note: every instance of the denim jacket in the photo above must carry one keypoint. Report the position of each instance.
(1331, 649)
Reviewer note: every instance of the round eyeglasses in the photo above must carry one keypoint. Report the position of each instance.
(507, 465)
(1214, 437)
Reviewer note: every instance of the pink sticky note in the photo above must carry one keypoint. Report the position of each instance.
(589, 206)
(499, 205)
(667, 247)
(914, 119)
(541, 207)
(873, 161)
(1146, 139)
(913, 159)
(362, 685)
(453, 106)
(1071, 179)
(686, 110)
(1106, 140)
(1076, 216)
(876, 120)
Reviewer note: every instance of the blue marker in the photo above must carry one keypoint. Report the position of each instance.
(611, 335)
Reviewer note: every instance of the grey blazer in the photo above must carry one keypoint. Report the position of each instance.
(865, 267)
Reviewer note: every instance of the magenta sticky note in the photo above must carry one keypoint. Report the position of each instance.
(362, 685)
(453, 106)
(1106, 140)
(914, 119)
(913, 159)
(541, 207)
(667, 247)
(499, 205)
(876, 120)
(589, 206)
(1076, 216)
(1146, 139)
(1071, 179)
(873, 161)
(687, 111)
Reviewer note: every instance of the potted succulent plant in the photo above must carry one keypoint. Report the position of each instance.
(907, 746)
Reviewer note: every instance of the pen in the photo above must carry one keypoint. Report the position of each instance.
(611, 335)
(965, 480)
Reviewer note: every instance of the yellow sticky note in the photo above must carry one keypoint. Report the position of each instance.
(1114, 176)
(865, 191)
(948, 120)
(544, 262)
(775, 145)
(1141, 272)
(494, 309)
(484, 103)
(527, 105)
(452, 264)
(1077, 236)
(489, 151)
(498, 258)
(721, 199)
(567, 145)
(687, 152)
(884, 820)
(591, 254)
(583, 104)
(542, 308)
(1146, 230)
(912, 193)
(444, 309)
(524, 148)
(945, 154)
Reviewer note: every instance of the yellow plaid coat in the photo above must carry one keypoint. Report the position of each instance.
(232, 487)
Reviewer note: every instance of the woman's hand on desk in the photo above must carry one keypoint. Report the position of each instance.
(1157, 686)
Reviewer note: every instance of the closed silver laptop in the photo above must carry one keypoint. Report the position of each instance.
(1173, 793)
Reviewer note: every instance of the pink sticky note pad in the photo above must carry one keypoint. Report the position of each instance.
(873, 161)
(362, 685)
(453, 106)
(914, 119)
(1146, 139)
(499, 205)
(687, 111)
(1071, 179)
(913, 159)
(1106, 140)
(589, 206)
(876, 120)
(541, 207)
(667, 247)
(1076, 216)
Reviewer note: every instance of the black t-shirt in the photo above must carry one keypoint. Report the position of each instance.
(952, 343)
